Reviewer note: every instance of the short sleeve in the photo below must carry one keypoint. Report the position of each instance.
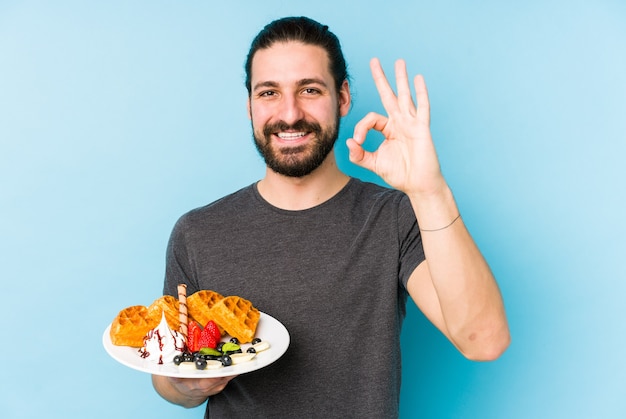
(411, 250)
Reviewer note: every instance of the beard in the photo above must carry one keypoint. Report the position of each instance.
(297, 161)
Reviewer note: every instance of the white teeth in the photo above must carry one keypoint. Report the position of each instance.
(291, 135)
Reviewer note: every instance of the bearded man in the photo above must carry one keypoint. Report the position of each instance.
(331, 257)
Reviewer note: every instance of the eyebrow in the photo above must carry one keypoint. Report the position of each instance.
(299, 83)
(306, 82)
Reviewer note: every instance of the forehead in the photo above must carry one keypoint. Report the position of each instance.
(288, 62)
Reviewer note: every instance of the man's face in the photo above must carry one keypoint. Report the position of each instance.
(294, 107)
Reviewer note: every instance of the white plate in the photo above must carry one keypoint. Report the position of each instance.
(268, 329)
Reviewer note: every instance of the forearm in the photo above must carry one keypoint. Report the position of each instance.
(469, 299)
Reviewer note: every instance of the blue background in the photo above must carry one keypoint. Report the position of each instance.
(116, 117)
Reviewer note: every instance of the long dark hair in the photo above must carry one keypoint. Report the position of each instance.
(307, 31)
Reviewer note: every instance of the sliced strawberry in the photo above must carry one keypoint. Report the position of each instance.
(207, 340)
(193, 336)
(211, 326)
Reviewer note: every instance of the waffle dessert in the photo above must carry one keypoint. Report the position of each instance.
(199, 305)
(133, 323)
(168, 305)
(237, 316)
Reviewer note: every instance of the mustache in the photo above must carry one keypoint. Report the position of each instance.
(300, 125)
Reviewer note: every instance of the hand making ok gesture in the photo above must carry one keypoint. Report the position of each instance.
(406, 159)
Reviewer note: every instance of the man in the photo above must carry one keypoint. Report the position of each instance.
(331, 257)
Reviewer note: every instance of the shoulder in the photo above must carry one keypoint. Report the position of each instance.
(383, 204)
(372, 194)
(226, 206)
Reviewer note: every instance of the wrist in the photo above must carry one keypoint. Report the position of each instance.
(435, 210)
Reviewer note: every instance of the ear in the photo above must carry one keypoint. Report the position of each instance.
(248, 107)
(345, 99)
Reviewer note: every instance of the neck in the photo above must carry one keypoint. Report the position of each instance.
(305, 192)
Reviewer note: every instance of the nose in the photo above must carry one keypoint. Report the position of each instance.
(290, 110)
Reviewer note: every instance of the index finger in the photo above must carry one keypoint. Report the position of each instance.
(387, 95)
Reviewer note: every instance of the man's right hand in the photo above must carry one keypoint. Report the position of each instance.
(188, 392)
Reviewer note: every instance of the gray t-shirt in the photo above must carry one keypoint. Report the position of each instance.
(335, 275)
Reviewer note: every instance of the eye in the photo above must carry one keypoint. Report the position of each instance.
(267, 93)
(311, 91)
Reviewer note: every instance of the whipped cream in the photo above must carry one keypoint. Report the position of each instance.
(161, 344)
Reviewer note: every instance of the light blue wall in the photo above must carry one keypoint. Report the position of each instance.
(118, 116)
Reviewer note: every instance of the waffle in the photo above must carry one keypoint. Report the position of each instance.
(168, 305)
(130, 326)
(133, 323)
(199, 305)
(237, 316)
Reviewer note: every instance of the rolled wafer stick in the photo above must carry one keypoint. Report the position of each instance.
(182, 310)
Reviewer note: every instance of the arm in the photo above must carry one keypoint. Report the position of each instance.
(188, 392)
(454, 287)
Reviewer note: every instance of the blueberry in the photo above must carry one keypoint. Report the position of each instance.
(201, 364)
(234, 340)
(255, 341)
(251, 350)
(178, 359)
(226, 360)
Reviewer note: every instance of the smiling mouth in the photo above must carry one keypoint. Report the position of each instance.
(290, 136)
